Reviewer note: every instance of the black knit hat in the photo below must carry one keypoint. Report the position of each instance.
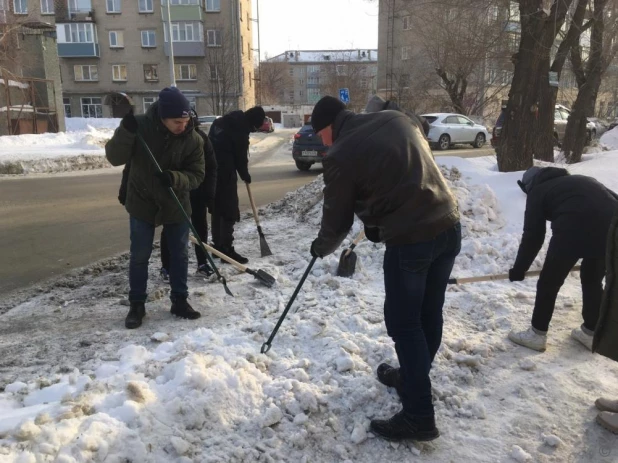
(324, 112)
(255, 117)
(173, 104)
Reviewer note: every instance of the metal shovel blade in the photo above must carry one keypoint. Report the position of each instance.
(264, 249)
(347, 264)
(263, 277)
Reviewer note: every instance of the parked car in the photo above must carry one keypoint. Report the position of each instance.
(495, 133)
(268, 126)
(307, 148)
(446, 129)
(206, 121)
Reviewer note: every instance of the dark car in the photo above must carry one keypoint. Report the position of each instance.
(267, 126)
(495, 133)
(307, 148)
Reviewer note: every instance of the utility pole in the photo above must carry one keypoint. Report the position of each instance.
(258, 78)
(171, 41)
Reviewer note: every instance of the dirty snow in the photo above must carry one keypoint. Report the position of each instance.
(78, 387)
(610, 139)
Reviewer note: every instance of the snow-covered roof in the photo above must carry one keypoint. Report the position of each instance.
(326, 56)
(14, 83)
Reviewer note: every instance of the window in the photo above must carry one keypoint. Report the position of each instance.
(86, 73)
(20, 6)
(313, 95)
(405, 53)
(78, 33)
(313, 70)
(47, 6)
(291, 94)
(214, 38)
(514, 11)
(407, 24)
(148, 102)
(185, 71)
(66, 102)
(186, 31)
(342, 70)
(250, 80)
(213, 5)
(493, 12)
(119, 72)
(148, 39)
(151, 73)
(113, 6)
(185, 2)
(248, 48)
(214, 72)
(116, 39)
(405, 80)
(291, 71)
(145, 6)
(464, 120)
(452, 120)
(192, 102)
(92, 107)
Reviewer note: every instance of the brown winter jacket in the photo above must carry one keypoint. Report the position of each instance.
(380, 168)
(606, 333)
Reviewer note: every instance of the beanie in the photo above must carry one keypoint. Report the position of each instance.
(255, 117)
(324, 112)
(173, 104)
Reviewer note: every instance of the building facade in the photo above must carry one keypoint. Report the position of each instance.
(115, 54)
(304, 76)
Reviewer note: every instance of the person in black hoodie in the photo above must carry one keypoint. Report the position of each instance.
(580, 210)
(230, 138)
(202, 199)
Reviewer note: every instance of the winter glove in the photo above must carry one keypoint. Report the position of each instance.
(313, 251)
(372, 234)
(516, 275)
(247, 179)
(166, 178)
(129, 122)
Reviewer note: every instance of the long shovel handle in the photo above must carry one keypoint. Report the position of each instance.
(220, 277)
(357, 240)
(266, 346)
(228, 259)
(255, 214)
(499, 276)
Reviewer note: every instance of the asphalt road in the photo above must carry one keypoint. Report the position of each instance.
(53, 223)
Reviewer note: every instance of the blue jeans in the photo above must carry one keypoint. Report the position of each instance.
(415, 280)
(142, 237)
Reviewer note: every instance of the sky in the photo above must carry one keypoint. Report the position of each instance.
(316, 25)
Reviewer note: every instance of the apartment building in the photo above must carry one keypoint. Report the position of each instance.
(115, 54)
(307, 75)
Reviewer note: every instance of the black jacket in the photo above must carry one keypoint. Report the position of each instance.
(579, 208)
(381, 168)
(207, 188)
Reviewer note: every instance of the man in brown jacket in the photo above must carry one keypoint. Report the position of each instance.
(380, 167)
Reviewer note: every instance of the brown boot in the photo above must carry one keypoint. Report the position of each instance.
(609, 421)
(606, 405)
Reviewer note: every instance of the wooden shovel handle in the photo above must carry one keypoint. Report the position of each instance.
(255, 214)
(357, 240)
(499, 276)
(228, 259)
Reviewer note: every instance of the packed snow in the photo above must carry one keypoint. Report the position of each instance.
(610, 139)
(79, 387)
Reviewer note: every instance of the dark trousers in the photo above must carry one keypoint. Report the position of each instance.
(555, 270)
(222, 232)
(415, 280)
(142, 237)
(199, 219)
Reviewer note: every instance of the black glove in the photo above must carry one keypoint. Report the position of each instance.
(247, 179)
(129, 122)
(372, 234)
(166, 178)
(516, 275)
(313, 251)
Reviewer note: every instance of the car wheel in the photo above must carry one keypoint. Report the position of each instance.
(304, 166)
(479, 141)
(444, 142)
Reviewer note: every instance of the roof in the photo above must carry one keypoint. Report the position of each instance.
(327, 56)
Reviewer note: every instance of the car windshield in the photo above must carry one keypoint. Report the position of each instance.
(306, 129)
(430, 119)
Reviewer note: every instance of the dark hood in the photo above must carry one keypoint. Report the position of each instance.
(153, 115)
(536, 175)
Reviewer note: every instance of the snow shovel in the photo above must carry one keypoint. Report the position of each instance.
(264, 249)
(220, 277)
(500, 276)
(266, 346)
(260, 275)
(347, 261)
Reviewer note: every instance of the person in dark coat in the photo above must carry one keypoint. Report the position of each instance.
(202, 199)
(379, 167)
(230, 139)
(606, 334)
(580, 210)
(377, 103)
(179, 151)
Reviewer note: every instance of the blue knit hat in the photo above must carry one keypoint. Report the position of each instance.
(173, 104)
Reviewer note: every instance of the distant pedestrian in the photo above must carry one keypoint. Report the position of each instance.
(230, 139)
(202, 199)
(379, 167)
(179, 150)
(580, 210)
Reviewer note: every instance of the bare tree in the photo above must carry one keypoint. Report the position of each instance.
(221, 71)
(274, 79)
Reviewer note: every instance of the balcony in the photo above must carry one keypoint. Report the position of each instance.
(186, 49)
(182, 12)
(78, 50)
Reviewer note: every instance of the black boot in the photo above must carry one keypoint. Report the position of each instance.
(182, 309)
(205, 270)
(135, 315)
(389, 376)
(404, 426)
(231, 252)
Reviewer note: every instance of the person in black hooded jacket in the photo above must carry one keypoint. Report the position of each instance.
(580, 210)
(230, 139)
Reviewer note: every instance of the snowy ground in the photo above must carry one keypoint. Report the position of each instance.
(78, 387)
(81, 147)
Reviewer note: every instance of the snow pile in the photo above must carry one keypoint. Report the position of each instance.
(610, 139)
(79, 124)
(180, 391)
